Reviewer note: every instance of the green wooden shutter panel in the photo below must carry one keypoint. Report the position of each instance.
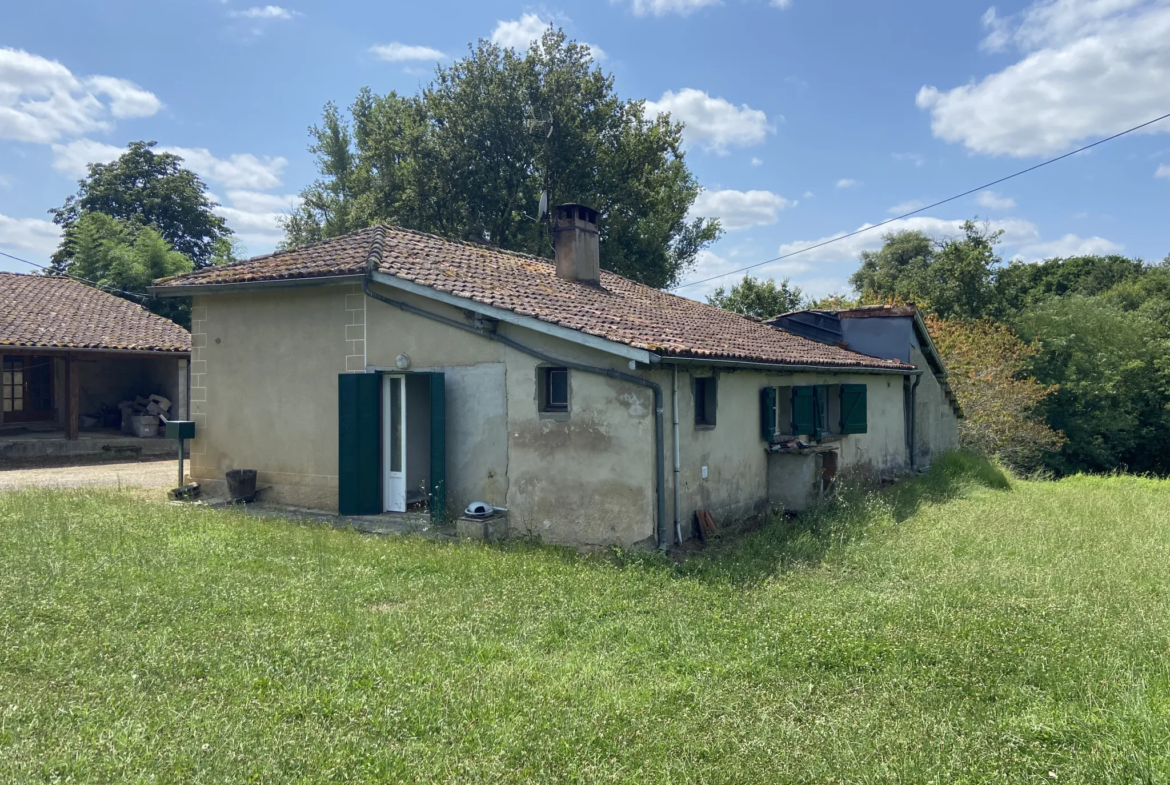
(359, 443)
(438, 448)
(767, 413)
(853, 409)
(804, 410)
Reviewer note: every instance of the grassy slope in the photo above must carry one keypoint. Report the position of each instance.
(951, 629)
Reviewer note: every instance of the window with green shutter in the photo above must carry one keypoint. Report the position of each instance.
(804, 410)
(854, 418)
(767, 413)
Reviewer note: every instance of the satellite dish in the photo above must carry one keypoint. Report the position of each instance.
(542, 209)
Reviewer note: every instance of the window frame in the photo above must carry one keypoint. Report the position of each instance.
(544, 392)
(705, 417)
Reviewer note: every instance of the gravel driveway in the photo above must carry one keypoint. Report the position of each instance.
(140, 474)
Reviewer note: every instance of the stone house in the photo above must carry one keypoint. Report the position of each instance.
(67, 349)
(391, 370)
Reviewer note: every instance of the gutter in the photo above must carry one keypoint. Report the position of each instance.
(782, 368)
(251, 286)
(491, 335)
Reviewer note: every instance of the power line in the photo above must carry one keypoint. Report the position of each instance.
(927, 207)
(110, 289)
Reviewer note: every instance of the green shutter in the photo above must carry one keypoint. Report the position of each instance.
(853, 409)
(804, 411)
(438, 448)
(767, 413)
(359, 443)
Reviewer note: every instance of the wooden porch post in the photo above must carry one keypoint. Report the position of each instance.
(71, 397)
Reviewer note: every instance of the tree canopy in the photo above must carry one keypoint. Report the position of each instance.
(1078, 347)
(471, 154)
(125, 258)
(144, 188)
(759, 297)
(955, 275)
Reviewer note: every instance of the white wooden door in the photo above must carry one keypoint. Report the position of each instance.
(394, 443)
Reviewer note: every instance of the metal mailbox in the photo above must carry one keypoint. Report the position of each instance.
(180, 429)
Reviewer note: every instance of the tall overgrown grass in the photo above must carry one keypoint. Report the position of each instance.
(958, 627)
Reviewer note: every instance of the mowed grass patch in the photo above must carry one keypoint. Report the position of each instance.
(954, 628)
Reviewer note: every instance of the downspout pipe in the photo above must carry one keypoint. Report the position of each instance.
(659, 440)
(677, 462)
(914, 418)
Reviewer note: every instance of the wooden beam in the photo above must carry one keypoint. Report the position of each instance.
(91, 354)
(72, 395)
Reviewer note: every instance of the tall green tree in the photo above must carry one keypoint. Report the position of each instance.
(471, 154)
(124, 258)
(144, 188)
(759, 297)
(1112, 372)
(954, 276)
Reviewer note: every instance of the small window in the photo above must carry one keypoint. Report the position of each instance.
(705, 402)
(555, 390)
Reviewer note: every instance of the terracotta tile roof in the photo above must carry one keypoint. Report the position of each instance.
(620, 310)
(38, 310)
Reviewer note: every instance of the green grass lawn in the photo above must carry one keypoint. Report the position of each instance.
(955, 628)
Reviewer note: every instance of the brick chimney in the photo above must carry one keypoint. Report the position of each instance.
(576, 244)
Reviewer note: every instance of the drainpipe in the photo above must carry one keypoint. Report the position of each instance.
(659, 446)
(677, 464)
(914, 417)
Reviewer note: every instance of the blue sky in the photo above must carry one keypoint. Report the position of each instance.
(806, 118)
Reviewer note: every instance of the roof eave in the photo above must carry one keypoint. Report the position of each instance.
(790, 367)
(188, 290)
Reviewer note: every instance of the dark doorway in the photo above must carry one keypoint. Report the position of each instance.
(26, 394)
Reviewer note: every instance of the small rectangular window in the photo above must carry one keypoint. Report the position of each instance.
(556, 390)
(705, 402)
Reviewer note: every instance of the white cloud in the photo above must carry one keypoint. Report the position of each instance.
(1069, 245)
(41, 101)
(237, 171)
(713, 123)
(519, 34)
(993, 201)
(1019, 235)
(1089, 68)
(241, 170)
(740, 209)
(808, 195)
(906, 207)
(757, 162)
(1017, 232)
(845, 182)
(74, 158)
(395, 52)
(780, 3)
(255, 217)
(251, 211)
(33, 235)
(709, 264)
(265, 12)
(660, 7)
(127, 100)
(1163, 172)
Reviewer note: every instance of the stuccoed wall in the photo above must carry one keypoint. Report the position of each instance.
(734, 452)
(936, 425)
(265, 396)
(587, 479)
